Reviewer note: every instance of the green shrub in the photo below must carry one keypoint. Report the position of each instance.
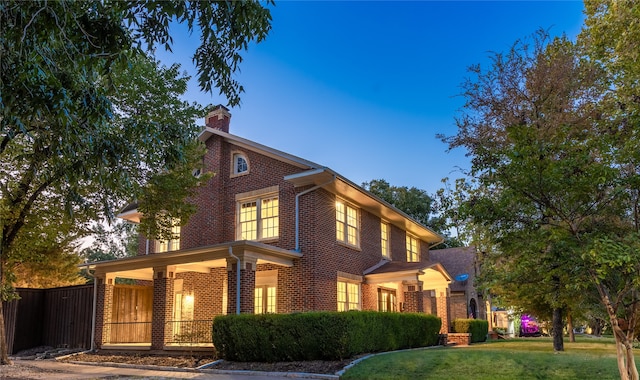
(320, 335)
(478, 328)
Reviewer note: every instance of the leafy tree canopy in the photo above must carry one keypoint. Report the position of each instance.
(89, 119)
(416, 203)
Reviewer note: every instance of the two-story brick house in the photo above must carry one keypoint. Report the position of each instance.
(303, 237)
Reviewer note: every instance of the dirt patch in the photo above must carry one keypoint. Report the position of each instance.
(314, 366)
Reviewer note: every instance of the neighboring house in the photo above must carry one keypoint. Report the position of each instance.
(464, 299)
(303, 237)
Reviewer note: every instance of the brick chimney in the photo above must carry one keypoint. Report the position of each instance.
(219, 118)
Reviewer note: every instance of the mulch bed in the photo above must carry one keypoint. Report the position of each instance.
(182, 361)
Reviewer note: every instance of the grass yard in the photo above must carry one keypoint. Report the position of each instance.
(529, 358)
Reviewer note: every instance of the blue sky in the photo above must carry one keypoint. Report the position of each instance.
(364, 87)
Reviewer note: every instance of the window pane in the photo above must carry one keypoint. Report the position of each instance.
(352, 222)
(340, 219)
(271, 299)
(248, 221)
(257, 301)
(412, 249)
(384, 239)
(342, 296)
(240, 164)
(353, 296)
(269, 215)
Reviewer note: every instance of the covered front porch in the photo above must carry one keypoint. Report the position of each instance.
(418, 287)
(174, 296)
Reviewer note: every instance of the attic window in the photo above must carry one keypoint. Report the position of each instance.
(240, 164)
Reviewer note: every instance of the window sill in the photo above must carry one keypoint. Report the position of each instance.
(347, 245)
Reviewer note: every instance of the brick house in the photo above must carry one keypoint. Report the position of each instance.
(273, 233)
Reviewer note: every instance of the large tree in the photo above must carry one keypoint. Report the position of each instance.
(528, 125)
(88, 120)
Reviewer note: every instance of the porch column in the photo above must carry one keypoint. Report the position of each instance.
(413, 302)
(247, 284)
(104, 304)
(163, 278)
(442, 308)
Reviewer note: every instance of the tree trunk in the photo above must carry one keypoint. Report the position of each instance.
(558, 326)
(572, 335)
(4, 351)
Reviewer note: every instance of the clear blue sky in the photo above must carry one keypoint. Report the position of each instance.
(364, 87)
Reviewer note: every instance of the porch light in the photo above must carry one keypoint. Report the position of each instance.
(188, 299)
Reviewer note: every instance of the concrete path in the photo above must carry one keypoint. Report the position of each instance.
(55, 370)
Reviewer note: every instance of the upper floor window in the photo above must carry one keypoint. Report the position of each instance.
(348, 296)
(347, 225)
(258, 218)
(172, 244)
(384, 240)
(240, 164)
(413, 249)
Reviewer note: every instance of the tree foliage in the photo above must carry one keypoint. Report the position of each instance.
(414, 202)
(550, 128)
(89, 119)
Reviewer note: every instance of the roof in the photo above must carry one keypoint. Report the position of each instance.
(388, 271)
(457, 261)
(318, 175)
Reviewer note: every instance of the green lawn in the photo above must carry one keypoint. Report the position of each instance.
(531, 358)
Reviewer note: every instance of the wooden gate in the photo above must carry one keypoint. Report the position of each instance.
(131, 314)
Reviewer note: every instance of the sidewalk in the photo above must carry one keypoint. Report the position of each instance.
(55, 370)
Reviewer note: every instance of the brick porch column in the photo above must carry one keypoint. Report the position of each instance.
(163, 278)
(442, 309)
(413, 302)
(104, 304)
(247, 284)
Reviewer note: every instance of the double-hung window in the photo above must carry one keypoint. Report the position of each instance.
(172, 244)
(347, 223)
(258, 217)
(348, 296)
(413, 249)
(384, 240)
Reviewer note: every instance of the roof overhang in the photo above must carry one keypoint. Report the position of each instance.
(356, 194)
(433, 275)
(201, 259)
(259, 148)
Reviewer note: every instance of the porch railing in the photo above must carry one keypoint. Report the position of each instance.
(190, 332)
(129, 332)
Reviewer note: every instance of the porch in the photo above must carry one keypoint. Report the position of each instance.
(178, 294)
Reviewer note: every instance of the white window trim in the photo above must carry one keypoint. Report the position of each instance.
(265, 280)
(345, 238)
(385, 251)
(417, 253)
(234, 172)
(347, 282)
(257, 196)
(172, 244)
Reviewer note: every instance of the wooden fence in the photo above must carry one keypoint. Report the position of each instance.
(59, 317)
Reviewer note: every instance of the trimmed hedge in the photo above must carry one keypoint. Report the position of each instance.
(320, 335)
(478, 328)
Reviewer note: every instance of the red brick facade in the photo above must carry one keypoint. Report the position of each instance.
(307, 283)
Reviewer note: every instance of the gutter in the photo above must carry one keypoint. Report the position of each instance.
(333, 178)
(237, 280)
(436, 243)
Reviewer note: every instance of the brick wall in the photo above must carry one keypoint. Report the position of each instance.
(311, 283)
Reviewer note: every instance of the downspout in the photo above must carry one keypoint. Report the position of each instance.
(237, 280)
(333, 178)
